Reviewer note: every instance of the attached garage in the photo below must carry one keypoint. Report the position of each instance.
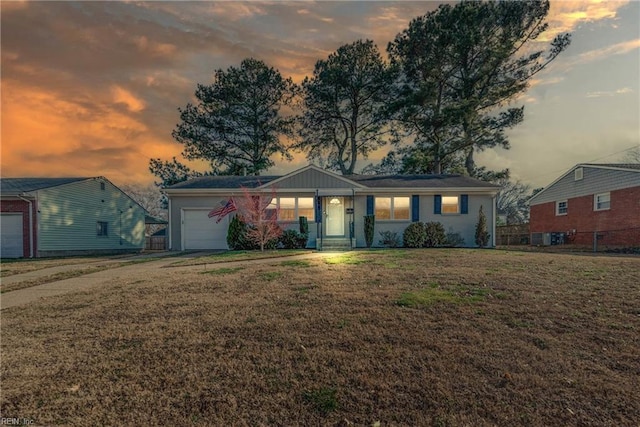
(201, 232)
(12, 237)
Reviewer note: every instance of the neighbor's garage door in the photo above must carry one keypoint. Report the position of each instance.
(11, 226)
(202, 232)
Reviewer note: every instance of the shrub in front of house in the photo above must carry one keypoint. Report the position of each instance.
(236, 235)
(292, 239)
(414, 235)
(389, 239)
(369, 227)
(454, 239)
(435, 234)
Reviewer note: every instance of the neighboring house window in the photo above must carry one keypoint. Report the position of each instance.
(291, 208)
(602, 202)
(102, 187)
(102, 228)
(392, 208)
(561, 207)
(450, 204)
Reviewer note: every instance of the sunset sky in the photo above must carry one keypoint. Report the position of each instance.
(93, 88)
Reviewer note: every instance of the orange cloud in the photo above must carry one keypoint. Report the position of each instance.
(565, 16)
(123, 96)
(44, 134)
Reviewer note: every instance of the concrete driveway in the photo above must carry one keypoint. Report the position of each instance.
(144, 270)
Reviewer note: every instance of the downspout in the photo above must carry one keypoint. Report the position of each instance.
(352, 226)
(318, 223)
(31, 243)
(493, 222)
(169, 228)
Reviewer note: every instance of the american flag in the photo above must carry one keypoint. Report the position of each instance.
(223, 211)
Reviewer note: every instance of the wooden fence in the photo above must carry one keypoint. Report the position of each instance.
(156, 243)
(516, 234)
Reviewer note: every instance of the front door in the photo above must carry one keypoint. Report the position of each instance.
(335, 216)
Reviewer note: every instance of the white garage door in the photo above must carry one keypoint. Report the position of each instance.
(11, 227)
(201, 232)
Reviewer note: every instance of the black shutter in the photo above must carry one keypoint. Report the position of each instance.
(415, 208)
(464, 204)
(369, 205)
(437, 204)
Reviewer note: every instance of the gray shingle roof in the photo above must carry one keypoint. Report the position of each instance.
(371, 181)
(24, 185)
(225, 182)
(635, 166)
(419, 181)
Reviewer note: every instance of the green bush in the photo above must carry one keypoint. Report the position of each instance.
(389, 239)
(435, 234)
(304, 225)
(369, 227)
(414, 235)
(454, 239)
(482, 236)
(236, 235)
(291, 239)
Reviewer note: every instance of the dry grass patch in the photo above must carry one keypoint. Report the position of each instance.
(9, 267)
(535, 342)
(230, 256)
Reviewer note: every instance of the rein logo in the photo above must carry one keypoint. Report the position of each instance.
(16, 421)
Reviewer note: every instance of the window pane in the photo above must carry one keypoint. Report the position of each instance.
(450, 204)
(562, 208)
(400, 208)
(287, 209)
(383, 208)
(305, 208)
(603, 201)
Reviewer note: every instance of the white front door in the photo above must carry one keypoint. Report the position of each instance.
(335, 216)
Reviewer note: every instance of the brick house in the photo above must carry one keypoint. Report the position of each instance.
(594, 205)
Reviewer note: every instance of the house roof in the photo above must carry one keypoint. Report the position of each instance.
(632, 166)
(360, 181)
(419, 181)
(25, 185)
(627, 167)
(225, 182)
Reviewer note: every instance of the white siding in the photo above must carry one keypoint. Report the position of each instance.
(68, 217)
(594, 181)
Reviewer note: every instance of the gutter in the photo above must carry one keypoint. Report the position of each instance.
(493, 223)
(31, 242)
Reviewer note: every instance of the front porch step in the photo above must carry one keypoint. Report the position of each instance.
(336, 244)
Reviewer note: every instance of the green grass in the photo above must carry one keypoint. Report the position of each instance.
(434, 295)
(349, 259)
(223, 270)
(271, 275)
(324, 400)
(296, 263)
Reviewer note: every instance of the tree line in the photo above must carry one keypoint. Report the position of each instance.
(448, 90)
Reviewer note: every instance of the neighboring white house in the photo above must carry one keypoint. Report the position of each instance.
(67, 216)
(334, 205)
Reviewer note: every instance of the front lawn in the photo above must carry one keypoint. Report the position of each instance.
(449, 337)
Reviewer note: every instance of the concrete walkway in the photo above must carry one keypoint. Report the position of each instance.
(144, 270)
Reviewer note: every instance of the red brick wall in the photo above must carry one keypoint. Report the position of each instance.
(618, 226)
(23, 207)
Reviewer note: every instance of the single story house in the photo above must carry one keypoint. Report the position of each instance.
(43, 217)
(594, 205)
(334, 205)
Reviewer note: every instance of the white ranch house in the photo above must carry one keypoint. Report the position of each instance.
(334, 205)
